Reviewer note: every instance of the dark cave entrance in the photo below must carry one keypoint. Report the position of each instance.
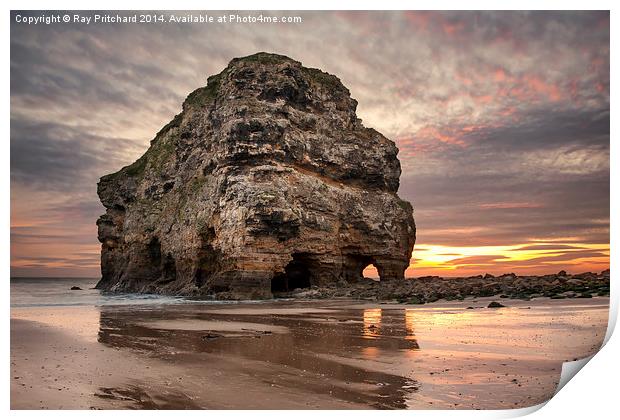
(207, 258)
(163, 268)
(296, 276)
(169, 269)
(154, 252)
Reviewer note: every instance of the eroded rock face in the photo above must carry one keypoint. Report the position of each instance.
(266, 181)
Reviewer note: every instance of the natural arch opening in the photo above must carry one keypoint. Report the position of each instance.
(296, 276)
(370, 272)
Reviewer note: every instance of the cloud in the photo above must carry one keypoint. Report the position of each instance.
(543, 247)
(505, 205)
(478, 260)
(57, 156)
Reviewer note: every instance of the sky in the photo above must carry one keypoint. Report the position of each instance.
(501, 119)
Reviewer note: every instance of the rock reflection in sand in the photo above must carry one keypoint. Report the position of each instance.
(313, 352)
(300, 354)
(383, 356)
(410, 326)
(372, 323)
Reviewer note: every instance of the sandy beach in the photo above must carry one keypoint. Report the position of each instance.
(334, 354)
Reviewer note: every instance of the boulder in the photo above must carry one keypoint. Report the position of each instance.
(265, 182)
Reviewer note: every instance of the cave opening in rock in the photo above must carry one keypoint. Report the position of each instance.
(169, 269)
(370, 272)
(207, 257)
(154, 251)
(163, 267)
(296, 276)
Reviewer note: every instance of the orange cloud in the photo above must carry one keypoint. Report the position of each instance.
(483, 99)
(499, 75)
(452, 28)
(430, 132)
(538, 86)
(418, 19)
(508, 111)
(508, 205)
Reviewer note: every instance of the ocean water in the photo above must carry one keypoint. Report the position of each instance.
(32, 292)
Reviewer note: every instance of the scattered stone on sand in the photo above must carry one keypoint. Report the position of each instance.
(76, 288)
(211, 336)
(495, 304)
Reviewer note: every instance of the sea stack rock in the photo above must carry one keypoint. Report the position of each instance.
(265, 182)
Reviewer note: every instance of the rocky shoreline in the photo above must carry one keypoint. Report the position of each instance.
(432, 288)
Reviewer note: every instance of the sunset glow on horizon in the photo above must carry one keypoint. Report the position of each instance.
(501, 120)
(523, 259)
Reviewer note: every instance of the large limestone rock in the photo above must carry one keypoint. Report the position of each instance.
(266, 181)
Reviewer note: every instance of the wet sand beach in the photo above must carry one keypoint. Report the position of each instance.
(335, 354)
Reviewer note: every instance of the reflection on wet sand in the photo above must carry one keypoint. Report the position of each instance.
(311, 355)
(372, 323)
(299, 354)
(365, 356)
(410, 327)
